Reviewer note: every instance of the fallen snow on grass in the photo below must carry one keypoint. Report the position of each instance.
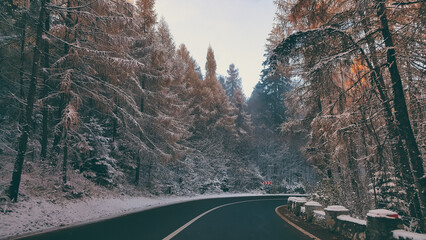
(37, 215)
(401, 234)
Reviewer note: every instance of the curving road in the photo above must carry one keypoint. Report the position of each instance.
(221, 218)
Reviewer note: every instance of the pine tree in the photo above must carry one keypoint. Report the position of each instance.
(243, 120)
(222, 81)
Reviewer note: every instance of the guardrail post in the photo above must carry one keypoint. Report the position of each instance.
(309, 209)
(331, 214)
(380, 223)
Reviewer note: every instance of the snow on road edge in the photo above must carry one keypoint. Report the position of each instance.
(38, 214)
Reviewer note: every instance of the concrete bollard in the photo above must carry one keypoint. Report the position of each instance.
(331, 214)
(298, 204)
(294, 204)
(290, 202)
(352, 228)
(381, 223)
(309, 209)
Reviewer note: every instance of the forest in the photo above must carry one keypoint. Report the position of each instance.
(97, 99)
(98, 91)
(357, 99)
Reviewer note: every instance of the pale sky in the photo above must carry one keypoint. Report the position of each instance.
(236, 30)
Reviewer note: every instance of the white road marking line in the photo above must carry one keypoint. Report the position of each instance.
(295, 226)
(171, 235)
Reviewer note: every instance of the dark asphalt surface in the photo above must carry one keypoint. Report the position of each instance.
(246, 220)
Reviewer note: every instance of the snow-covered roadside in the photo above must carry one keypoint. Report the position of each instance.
(38, 214)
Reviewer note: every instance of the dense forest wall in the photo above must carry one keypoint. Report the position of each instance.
(97, 99)
(357, 99)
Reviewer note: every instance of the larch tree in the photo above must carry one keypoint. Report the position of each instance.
(171, 109)
(194, 88)
(274, 38)
(215, 111)
(113, 104)
(83, 91)
(147, 13)
(337, 54)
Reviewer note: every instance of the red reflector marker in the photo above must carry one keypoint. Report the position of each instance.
(393, 215)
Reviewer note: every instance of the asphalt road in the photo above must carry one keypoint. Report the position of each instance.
(234, 218)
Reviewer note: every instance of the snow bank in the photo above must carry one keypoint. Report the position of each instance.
(36, 215)
(348, 218)
(335, 208)
(382, 213)
(401, 234)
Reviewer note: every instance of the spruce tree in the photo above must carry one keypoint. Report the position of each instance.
(233, 81)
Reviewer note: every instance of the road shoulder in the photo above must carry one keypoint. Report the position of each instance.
(311, 230)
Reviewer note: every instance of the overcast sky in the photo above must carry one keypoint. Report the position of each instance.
(236, 30)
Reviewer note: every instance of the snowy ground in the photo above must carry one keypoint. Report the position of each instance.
(38, 214)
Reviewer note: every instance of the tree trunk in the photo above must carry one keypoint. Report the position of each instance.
(44, 134)
(45, 92)
(400, 158)
(371, 170)
(142, 103)
(398, 152)
(415, 106)
(22, 63)
(65, 159)
(148, 183)
(415, 163)
(23, 139)
(138, 168)
(114, 129)
(142, 107)
(58, 132)
(354, 169)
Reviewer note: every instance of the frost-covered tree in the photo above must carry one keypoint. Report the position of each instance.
(346, 83)
(222, 81)
(29, 108)
(213, 112)
(233, 81)
(98, 91)
(146, 11)
(274, 38)
(243, 121)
